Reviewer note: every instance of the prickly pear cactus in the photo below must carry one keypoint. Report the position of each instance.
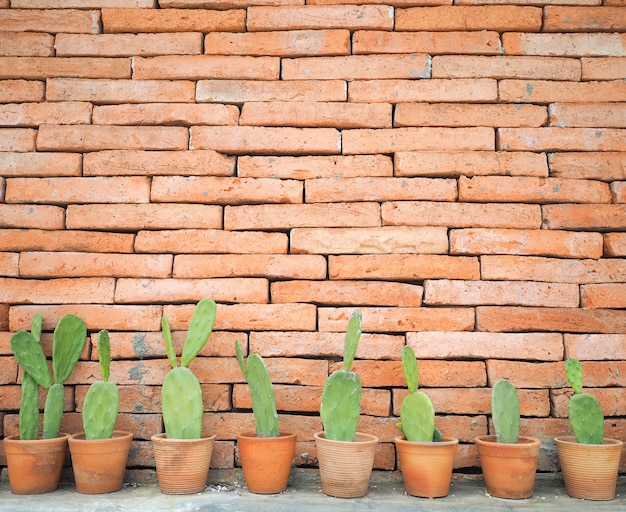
(102, 401)
(574, 374)
(585, 413)
(261, 391)
(341, 397)
(505, 411)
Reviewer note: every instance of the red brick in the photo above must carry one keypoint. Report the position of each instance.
(17, 91)
(598, 347)
(615, 244)
(470, 163)
(565, 45)
(547, 91)
(583, 217)
(40, 164)
(8, 372)
(33, 114)
(144, 373)
(27, 45)
(603, 68)
(9, 266)
(57, 291)
(563, 244)
(485, 345)
(166, 114)
(42, 4)
(454, 214)
(618, 192)
(82, 241)
(519, 319)
(583, 19)
(604, 166)
(281, 216)
(38, 68)
(611, 401)
(30, 216)
(17, 139)
(608, 295)
(403, 267)
(49, 20)
(555, 139)
(128, 45)
(609, 115)
(527, 375)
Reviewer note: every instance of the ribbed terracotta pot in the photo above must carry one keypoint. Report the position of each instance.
(426, 467)
(266, 461)
(346, 466)
(35, 466)
(589, 470)
(99, 464)
(182, 465)
(509, 469)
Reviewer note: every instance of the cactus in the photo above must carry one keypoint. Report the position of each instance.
(29, 401)
(261, 391)
(181, 396)
(102, 401)
(341, 397)
(505, 411)
(584, 411)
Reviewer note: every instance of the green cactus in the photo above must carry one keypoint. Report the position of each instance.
(341, 397)
(181, 395)
(584, 411)
(102, 401)
(505, 411)
(261, 391)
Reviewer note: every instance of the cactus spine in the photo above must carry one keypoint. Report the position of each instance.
(102, 401)
(261, 391)
(181, 395)
(585, 413)
(505, 411)
(341, 397)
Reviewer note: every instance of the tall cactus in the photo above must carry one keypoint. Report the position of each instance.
(505, 411)
(341, 397)
(261, 391)
(102, 401)
(585, 413)
(181, 395)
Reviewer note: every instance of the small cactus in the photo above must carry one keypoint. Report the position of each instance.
(261, 391)
(29, 402)
(584, 411)
(102, 401)
(181, 395)
(505, 411)
(341, 397)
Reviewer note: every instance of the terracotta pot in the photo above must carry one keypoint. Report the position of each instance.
(589, 470)
(509, 469)
(426, 467)
(266, 461)
(35, 466)
(182, 465)
(99, 464)
(346, 466)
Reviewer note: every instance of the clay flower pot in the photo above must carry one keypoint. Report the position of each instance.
(266, 461)
(509, 469)
(426, 467)
(182, 465)
(35, 466)
(589, 470)
(346, 466)
(99, 464)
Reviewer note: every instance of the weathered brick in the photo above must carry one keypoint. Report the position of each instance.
(611, 400)
(615, 244)
(9, 265)
(30, 216)
(547, 91)
(165, 114)
(403, 267)
(469, 163)
(454, 214)
(603, 68)
(610, 115)
(34, 114)
(523, 374)
(272, 266)
(17, 91)
(607, 295)
(531, 268)
(51, 20)
(604, 166)
(565, 45)
(8, 372)
(486, 345)
(38, 68)
(287, 216)
(563, 244)
(237, 91)
(57, 291)
(128, 45)
(584, 217)
(583, 19)
(519, 319)
(618, 192)
(145, 373)
(595, 347)
(27, 45)
(555, 139)
(66, 240)
(421, 240)
(526, 189)
(19, 140)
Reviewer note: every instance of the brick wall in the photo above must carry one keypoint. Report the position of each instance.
(457, 172)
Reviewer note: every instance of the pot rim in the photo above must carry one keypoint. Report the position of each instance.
(364, 438)
(79, 437)
(491, 439)
(445, 441)
(15, 438)
(253, 435)
(607, 441)
(162, 438)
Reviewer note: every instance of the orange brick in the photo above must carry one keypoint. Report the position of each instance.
(618, 192)
(317, 114)
(403, 267)
(80, 190)
(615, 244)
(609, 115)
(27, 44)
(611, 401)
(582, 217)
(469, 163)
(486, 345)
(604, 166)
(518, 319)
(226, 424)
(19, 140)
(172, 20)
(154, 163)
(288, 398)
(145, 373)
(281, 216)
(305, 167)
(9, 267)
(32, 114)
(546, 91)
(17, 91)
(51, 20)
(30, 216)
(42, 4)
(603, 68)
(374, 41)
(57, 291)
(598, 347)
(563, 244)
(565, 45)
(166, 113)
(525, 189)
(527, 375)
(608, 295)
(82, 241)
(553, 269)
(39, 68)
(128, 45)
(583, 19)
(554, 139)
(8, 373)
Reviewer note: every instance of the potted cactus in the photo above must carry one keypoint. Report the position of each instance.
(589, 461)
(99, 453)
(426, 458)
(266, 455)
(35, 463)
(508, 460)
(182, 454)
(345, 456)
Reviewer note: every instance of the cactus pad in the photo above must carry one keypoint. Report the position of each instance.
(409, 367)
(353, 335)
(341, 405)
(53, 411)
(586, 418)
(505, 411)
(200, 329)
(574, 373)
(29, 354)
(182, 405)
(69, 339)
(417, 417)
